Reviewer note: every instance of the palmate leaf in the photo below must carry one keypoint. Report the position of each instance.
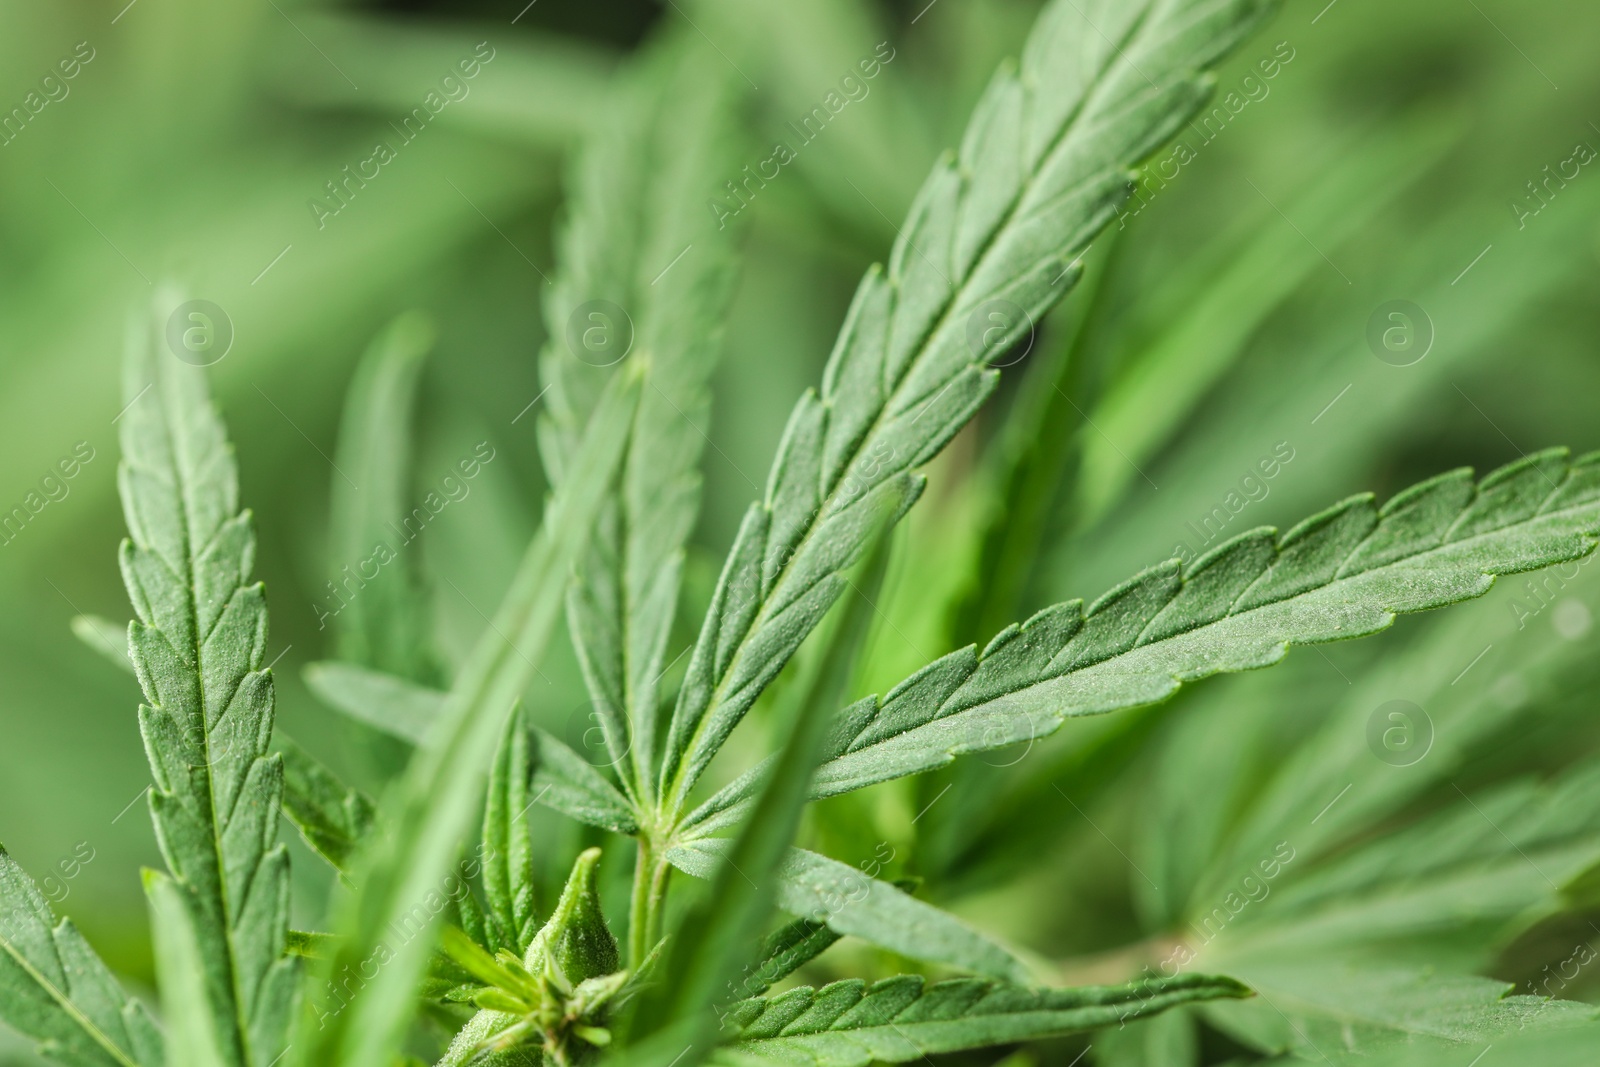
(387, 702)
(1331, 946)
(1344, 573)
(896, 1020)
(399, 899)
(1336, 758)
(1043, 167)
(55, 990)
(638, 243)
(198, 647)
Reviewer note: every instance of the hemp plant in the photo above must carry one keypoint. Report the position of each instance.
(441, 940)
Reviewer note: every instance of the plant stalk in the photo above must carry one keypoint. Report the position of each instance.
(650, 875)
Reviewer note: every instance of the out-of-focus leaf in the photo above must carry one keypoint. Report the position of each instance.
(431, 807)
(105, 637)
(387, 702)
(850, 902)
(384, 622)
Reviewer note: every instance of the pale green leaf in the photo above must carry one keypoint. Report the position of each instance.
(1331, 1002)
(195, 1038)
(1170, 1039)
(1042, 169)
(1572, 1046)
(380, 620)
(1248, 279)
(55, 991)
(1336, 762)
(105, 637)
(386, 702)
(198, 645)
(565, 781)
(645, 272)
(849, 902)
(897, 1020)
(430, 809)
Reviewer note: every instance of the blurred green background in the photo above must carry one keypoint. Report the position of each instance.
(1384, 160)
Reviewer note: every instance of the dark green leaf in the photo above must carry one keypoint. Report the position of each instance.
(1341, 574)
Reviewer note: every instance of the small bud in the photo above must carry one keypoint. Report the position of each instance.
(575, 942)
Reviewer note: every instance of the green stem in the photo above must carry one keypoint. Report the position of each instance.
(650, 875)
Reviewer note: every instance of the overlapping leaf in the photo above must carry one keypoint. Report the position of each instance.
(334, 818)
(848, 901)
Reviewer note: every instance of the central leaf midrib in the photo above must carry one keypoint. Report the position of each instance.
(66, 1004)
(1404, 561)
(181, 483)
